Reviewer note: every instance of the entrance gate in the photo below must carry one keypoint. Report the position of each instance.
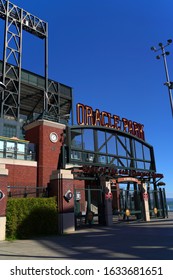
(128, 204)
(88, 206)
(157, 203)
(129, 198)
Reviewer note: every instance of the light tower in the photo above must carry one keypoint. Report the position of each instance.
(17, 20)
(168, 83)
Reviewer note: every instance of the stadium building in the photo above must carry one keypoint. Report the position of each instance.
(101, 169)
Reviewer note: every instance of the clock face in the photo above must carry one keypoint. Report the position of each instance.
(53, 137)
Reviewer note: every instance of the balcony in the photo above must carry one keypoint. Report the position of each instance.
(14, 148)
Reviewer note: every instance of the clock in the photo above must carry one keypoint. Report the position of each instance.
(53, 137)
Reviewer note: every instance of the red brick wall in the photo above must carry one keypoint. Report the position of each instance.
(58, 187)
(3, 201)
(21, 180)
(19, 175)
(47, 152)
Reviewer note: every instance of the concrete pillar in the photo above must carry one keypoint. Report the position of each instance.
(108, 205)
(3, 200)
(145, 202)
(61, 185)
(108, 201)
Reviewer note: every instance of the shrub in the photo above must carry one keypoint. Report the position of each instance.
(27, 217)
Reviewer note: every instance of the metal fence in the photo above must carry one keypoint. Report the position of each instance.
(26, 191)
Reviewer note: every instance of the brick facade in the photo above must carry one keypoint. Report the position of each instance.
(3, 189)
(47, 151)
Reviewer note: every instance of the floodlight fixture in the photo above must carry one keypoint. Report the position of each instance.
(169, 85)
(169, 41)
(153, 48)
(160, 45)
(2, 86)
(158, 57)
(167, 53)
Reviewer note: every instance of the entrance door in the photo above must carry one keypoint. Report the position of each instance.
(89, 206)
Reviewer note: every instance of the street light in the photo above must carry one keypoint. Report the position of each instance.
(168, 83)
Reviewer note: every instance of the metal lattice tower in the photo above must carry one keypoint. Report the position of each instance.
(17, 20)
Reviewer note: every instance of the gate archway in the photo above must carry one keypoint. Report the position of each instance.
(131, 201)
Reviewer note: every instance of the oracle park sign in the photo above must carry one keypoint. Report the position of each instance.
(87, 116)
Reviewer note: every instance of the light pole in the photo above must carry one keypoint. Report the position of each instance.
(168, 83)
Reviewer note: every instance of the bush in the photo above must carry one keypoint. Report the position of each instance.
(28, 217)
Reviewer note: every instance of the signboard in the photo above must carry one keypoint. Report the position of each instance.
(87, 116)
(145, 196)
(108, 195)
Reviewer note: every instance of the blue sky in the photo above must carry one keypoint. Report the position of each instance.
(101, 48)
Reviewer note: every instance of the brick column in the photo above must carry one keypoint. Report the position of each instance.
(3, 200)
(62, 182)
(48, 149)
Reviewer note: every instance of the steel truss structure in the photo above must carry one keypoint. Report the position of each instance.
(17, 20)
(111, 149)
(41, 97)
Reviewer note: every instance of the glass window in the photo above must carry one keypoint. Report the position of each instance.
(1, 149)
(10, 149)
(20, 151)
(75, 155)
(89, 157)
(138, 150)
(101, 142)
(128, 148)
(102, 159)
(122, 162)
(111, 144)
(121, 146)
(76, 138)
(88, 139)
(147, 155)
(112, 160)
(140, 165)
(9, 130)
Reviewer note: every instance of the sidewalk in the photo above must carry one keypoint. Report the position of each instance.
(125, 240)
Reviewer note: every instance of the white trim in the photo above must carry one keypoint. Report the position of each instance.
(18, 162)
(44, 122)
(2, 228)
(62, 173)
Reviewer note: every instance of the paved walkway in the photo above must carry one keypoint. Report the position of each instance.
(125, 240)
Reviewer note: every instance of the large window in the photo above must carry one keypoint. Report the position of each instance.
(9, 130)
(22, 150)
(107, 147)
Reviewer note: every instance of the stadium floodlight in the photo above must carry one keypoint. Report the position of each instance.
(164, 54)
(153, 48)
(169, 41)
(2, 86)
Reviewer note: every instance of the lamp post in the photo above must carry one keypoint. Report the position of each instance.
(168, 83)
